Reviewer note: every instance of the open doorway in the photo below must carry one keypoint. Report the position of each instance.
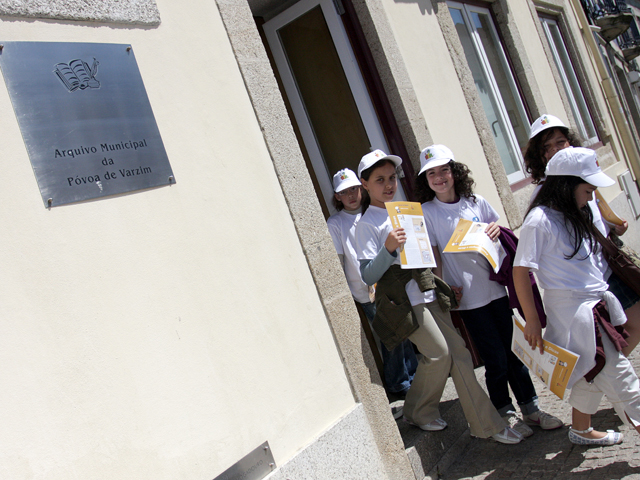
(336, 118)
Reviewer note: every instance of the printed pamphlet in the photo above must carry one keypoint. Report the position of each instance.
(553, 367)
(469, 236)
(416, 252)
(606, 211)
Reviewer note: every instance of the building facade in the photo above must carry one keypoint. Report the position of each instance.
(167, 333)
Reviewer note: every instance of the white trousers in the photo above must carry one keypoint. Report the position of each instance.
(617, 380)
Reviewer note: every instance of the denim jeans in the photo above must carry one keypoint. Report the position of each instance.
(491, 328)
(400, 364)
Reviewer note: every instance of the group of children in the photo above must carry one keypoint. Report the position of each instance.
(585, 303)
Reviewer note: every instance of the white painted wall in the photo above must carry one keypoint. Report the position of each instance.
(162, 334)
(540, 63)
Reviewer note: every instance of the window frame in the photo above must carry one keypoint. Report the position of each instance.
(579, 120)
(572, 36)
(466, 9)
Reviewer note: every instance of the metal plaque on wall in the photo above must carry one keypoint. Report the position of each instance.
(254, 466)
(85, 118)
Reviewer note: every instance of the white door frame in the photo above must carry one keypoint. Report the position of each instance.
(354, 77)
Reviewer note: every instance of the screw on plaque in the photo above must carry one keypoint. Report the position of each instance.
(49, 202)
(171, 180)
(1, 46)
(129, 48)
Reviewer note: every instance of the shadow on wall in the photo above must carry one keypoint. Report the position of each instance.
(432, 6)
(372, 361)
(425, 6)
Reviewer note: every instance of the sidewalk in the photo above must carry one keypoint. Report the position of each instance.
(549, 454)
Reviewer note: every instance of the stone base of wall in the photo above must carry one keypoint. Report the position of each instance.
(345, 451)
(141, 12)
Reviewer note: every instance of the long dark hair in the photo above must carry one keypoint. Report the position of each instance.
(558, 193)
(366, 199)
(462, 183)
(534, 161)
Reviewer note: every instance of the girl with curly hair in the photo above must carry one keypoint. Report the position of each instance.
(548, 135)
(446, 187)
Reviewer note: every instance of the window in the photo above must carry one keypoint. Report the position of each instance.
(577, 102)
(495, 84)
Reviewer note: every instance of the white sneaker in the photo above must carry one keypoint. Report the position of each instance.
(508, 436)
(518, 425)
(543, 420)
(397, 412)
(435, 426)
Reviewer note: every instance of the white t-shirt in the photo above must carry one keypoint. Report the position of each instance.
(599, 223)
(469, 270)
(342, 227)
(544, 242)
(371, 233)
(572, 286)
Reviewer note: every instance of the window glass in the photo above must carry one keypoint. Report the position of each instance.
(495, 84)
(579, 108)
(504, 80)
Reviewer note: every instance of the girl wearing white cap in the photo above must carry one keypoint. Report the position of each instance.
(446, 188)
(414, 304)
(557, 241)
(547, 136)
(401, 363)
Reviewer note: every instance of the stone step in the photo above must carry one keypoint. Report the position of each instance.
(431, 453)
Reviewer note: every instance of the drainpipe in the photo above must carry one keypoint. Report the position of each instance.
(610, 93)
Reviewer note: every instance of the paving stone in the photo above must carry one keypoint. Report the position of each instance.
(549, 454)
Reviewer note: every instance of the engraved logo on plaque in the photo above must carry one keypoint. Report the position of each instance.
(77, 74)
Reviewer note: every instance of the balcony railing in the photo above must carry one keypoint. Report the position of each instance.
(600, 8)
(612, 16)
(629, 42)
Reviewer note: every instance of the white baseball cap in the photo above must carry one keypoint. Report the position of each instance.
(370, 159)
(578, 162)
(344, 179)
(543, 123)
(434, 156)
